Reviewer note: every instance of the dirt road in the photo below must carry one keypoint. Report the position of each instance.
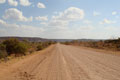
(62, 62)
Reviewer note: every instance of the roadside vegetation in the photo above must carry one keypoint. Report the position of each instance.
(15, 47)
(112, 44)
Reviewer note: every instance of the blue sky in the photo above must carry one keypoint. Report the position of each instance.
(95, 19)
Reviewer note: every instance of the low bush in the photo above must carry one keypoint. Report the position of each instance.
(3, 54)
(112, 44)
(14, 46)
(40, 47)
(2, 46)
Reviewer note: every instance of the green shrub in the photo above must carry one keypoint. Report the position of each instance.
(40, 47)
(15, 46)
(2, 47)
(21, 48)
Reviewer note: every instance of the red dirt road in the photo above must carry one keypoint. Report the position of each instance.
(62, 62)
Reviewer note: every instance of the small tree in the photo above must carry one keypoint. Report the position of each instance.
(15, 46)
(21, 48)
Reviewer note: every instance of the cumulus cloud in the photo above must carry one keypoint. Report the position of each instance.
(58, 26)
(8, 29)
(70, 14)
(95, 13)
(114, 13)
(2, 1)
(16, 15)
(41, 5)
(63, 19)
(41, 18)
(106, 21)
(25, 2)
(13, 2)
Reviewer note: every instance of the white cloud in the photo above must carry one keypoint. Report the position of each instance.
(70, 14)
(63, 19)
(56, 27)
(16, 15)
(58, 24)
(8, 29)
(41, 5)
(114, 13)
(88, 31)
(96, 13)
(106, 21)
(13, 2)
(25, 2)
(2, 1)
(87, 22)
(2, 22)
(41, 18)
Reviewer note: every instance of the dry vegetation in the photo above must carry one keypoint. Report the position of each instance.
(112, 44)
(14, 47)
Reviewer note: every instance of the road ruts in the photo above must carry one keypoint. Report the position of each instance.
(63, 62)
